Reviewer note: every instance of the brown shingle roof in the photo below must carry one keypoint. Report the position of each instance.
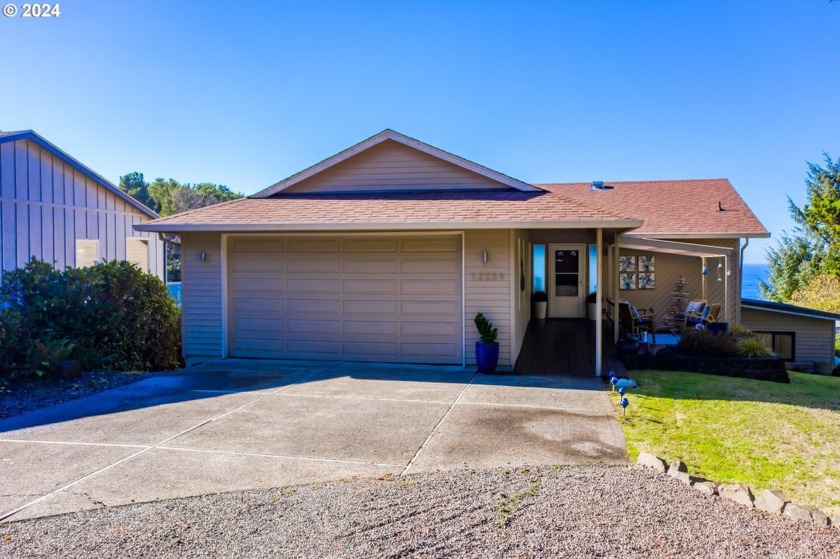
(679, 208)
(394, 209)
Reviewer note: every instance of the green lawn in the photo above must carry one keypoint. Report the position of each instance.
(764, 434)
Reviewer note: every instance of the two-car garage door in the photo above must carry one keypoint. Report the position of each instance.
(357, 298)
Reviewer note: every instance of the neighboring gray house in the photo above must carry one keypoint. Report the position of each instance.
(56, 209)
(803, 337)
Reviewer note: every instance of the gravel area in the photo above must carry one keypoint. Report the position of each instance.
(593, 511)
(27, 394)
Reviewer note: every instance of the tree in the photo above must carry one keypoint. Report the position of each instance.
(135, 185)
(821, 293)
(813, 249)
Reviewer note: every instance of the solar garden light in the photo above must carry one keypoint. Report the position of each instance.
(624, 403)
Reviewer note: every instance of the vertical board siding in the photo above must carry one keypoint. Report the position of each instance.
(45, 205)
(201, 322)
(487, 289)
(814, 336)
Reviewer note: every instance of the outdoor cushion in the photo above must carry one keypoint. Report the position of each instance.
(706, 310)
(695, 306)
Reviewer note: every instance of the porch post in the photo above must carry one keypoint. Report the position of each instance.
(599, 314)
(616, 286)
(726, 291)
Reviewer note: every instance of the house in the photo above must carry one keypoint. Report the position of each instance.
(58, 210)
(386, 251)
(803, 337)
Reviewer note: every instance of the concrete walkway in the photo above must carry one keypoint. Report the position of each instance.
(245, 425)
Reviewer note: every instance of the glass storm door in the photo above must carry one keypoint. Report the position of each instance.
(566, 281)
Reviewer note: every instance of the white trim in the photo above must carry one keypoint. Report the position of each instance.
(173, 227)
(792, 313)
(672, 247)
(514, 291)
(225, 314)
(406, 141)
(700, 235)
(463, 300)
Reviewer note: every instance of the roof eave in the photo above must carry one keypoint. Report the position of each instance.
(793, 310)
(169, 227)
(700, 235)
(404, 140)
(75, 163)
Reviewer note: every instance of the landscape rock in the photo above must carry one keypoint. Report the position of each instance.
(650, 461)
(68, 370)
(705, 487)
(797, 512)
(677, 466)
(772, 501)
(680, 476)
(819, 517)
(738, 493)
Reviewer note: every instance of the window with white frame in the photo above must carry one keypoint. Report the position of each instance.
(87, 252)
(137, 252)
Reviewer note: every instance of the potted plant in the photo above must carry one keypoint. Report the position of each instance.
(487, 348)
(590, 303)
(540, 301)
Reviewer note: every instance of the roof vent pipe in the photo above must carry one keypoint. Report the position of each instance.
(596, 185)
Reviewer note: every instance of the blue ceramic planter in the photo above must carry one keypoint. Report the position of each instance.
(486, 356)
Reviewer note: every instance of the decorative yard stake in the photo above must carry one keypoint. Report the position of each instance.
(613, 382)
(624, 403)
(622, 391)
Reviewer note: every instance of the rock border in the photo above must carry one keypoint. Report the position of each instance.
(771, 501)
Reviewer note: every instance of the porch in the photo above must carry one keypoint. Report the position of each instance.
(565, 347)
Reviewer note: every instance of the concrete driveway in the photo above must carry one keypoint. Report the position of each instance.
(245, 425)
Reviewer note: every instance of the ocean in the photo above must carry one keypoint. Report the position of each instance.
(753, 274)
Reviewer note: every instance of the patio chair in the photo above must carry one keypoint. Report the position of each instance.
(694, 307)
(633, 321)
(709, 315)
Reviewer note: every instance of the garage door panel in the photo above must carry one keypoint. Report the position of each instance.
(355, 308)
(370, 327)
(369, 245)
(253, 306)
(431, 244)
(314, 285)
(377, 298)
(306, 246)
(368, 286)
(426, 308)
(320, 327)
(433, 287)
(322, 265)
(371, 349)
(306, 307)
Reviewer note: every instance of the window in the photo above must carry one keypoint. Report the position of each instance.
(783, 344)
(539, 267)
(87, 252)
(137, 252)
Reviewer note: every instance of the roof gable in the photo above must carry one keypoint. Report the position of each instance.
(391, 161)
(66, 158)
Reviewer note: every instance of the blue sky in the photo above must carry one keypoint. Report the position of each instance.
(247, 93)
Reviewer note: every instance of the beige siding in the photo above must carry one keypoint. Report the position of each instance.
(201, 321)
(393, 166)
(46, 205)
(814, 336)
(488, 288)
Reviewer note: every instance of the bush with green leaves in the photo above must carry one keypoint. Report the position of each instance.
(111, 315)
(704, 343)
(485, 328)
(753, 346)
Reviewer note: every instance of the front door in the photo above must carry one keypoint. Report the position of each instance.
(566, 265)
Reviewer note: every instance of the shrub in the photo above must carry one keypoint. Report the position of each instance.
(485, 328)
(752, 346)
(739, 331)
(703, 343)
(44, 355)
(111, 315)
